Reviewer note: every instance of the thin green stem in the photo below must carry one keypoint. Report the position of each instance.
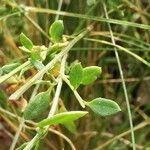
(123, 82)
(49, 66)
(22, 121)
(121, 48)
(59, 8)
(32, 142)
(87, 17)
(9, 15)
(15, 139)
(118, 47)
(64, 52)
(137, 127)
(58, 89)
(33, 123)
(37, 26)
(80, 100)
(81, 23)
(53, 108)
(76, 15)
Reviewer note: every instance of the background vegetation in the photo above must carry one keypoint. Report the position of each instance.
(129, 21)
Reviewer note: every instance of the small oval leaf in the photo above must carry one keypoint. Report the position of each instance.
(90, 74)
(75, 76)
(37, 106)
(25, 41)
(62, 118)
(70, 126)
(56, 31)
(103, 107)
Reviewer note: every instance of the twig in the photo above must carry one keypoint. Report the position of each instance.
(53, 108)
(59, 8)
(33, 123)
(123, 82)
(26, 86)
(123, 140)
(22, 121)
(139, 126)
(64, 52)
(78, 97)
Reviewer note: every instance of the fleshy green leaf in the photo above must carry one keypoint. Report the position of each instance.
(56, 31)
(36, 55)
(90, 74)
(37, 106)
(70, 126)
(25, 41)
(62, 118)
(8, 68)
(75, 76)
(103, 107)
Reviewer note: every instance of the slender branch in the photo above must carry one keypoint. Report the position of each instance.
(22, 121)
(9, 15)
(87, 17)
(49, 66)
(33, 123)
(15, 139)
(59, 8)
(58, 89)
(139, 126)
(76, 15)
(123, 82)
(37, 26)
(78, 97)
(64, 137)
(53, 108)
(42, 132)
(122, 49)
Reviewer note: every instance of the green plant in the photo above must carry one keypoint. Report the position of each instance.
(118, 42)
(44, 60)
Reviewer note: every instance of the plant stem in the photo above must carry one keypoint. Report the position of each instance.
(26, 86)
(33, 123)
(37, 26)
(58, 89)
(15, 139)
(22, 121)
(122, 49)
(87, 17)
(123, 82)
(9, 15)
(59, 8)
(53, 108)
(80, 100)
(7, 76)
(32, 142)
